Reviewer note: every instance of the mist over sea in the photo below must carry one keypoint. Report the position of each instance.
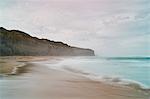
(122, 70)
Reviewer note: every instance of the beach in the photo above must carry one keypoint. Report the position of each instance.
(36, 81)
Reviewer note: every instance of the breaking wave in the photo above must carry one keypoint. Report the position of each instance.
(115, 81)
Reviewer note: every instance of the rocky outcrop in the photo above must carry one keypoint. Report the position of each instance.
(14, 42)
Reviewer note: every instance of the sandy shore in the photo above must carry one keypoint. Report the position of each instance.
(40, 82)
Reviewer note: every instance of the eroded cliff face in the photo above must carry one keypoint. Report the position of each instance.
(14, 42)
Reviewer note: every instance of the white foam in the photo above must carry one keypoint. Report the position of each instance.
(115, 80)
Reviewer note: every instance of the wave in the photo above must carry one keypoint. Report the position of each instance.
(108, 79)
(65, 66)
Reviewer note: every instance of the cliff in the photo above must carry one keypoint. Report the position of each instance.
(18, 43)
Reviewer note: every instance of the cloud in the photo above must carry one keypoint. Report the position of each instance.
(107, 26)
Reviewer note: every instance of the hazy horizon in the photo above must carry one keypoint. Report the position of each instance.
(110, 27)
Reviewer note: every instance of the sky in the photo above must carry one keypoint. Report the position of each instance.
(110, 27)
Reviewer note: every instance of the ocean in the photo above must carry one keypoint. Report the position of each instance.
(121, 70)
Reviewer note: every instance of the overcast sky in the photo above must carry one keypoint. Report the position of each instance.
(110, 27)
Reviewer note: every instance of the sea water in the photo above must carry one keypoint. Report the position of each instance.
(133, 69)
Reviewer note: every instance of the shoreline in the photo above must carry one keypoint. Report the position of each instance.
(22, 68)
(109, 80)
(64, 85)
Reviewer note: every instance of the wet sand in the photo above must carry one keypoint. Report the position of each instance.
(40, 82)
(9, 65)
